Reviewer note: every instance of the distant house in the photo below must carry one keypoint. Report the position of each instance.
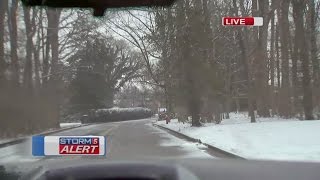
(162, 110)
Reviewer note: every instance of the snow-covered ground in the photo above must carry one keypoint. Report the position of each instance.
(270, 138)
(192, 150)
(66, 125)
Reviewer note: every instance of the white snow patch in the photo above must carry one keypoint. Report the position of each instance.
(117, 109)
(191, 149)
(66, 125)
(270, 138)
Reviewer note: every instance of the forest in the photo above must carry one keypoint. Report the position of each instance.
(55, 62)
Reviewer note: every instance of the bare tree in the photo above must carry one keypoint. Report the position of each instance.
(30, 26)
(37, 49)
(53, 30)
(53, 16)
(3, 10)
(243, 40)
(272, 65)
(312, 31)
(283, 15)
(12, 24)
(298, 8)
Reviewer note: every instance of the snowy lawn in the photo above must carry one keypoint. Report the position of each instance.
(270, 138)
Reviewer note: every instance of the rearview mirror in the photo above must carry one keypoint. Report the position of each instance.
(99, 6)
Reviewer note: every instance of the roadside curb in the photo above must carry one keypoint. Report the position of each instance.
(178, 134)
(22, 139)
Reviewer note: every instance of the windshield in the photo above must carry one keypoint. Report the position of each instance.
(241, 76)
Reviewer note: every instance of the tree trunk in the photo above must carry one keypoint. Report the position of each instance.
(193, 59)
(278, 70)
(12, 24)
(54, 78)
(261, 75)
(298, 11)
(237, 103)
(295, 80)
(3, 10)
(272, 66)
(314, 51)
(53, 29)
(278, 61)
(298, 14)
(165, 36)
(45, 56)
(228, 89)
(27, 80)
(36, 53)
(284, 29)
(242, 40)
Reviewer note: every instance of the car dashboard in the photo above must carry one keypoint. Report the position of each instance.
(178, 169)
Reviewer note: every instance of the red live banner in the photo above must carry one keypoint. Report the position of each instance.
(242, 21)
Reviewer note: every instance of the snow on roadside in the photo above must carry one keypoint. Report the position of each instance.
(270, 138)
(66, 125)
(191, 150)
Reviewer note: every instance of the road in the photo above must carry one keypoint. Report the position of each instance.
(130, 140)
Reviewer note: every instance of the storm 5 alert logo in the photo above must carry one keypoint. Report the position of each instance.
(79, 145)
(69, 145)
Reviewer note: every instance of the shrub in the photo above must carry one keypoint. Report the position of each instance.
(117, 114)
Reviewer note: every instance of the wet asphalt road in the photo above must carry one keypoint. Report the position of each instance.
(130, 140)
